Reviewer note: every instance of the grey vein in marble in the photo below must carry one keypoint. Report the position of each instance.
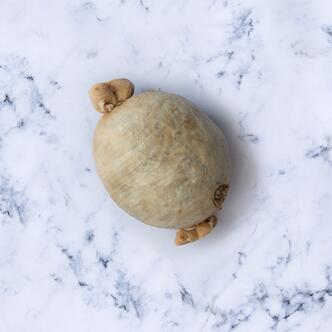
(71, 260)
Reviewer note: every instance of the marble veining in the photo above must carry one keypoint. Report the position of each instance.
(71, 260)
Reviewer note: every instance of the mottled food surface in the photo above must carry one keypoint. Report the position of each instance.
(161, 159)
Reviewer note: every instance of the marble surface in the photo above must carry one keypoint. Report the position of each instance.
(70, 260)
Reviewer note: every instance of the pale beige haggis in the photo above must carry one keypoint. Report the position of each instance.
(161, 160)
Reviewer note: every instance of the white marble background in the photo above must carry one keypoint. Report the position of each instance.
(70, 260)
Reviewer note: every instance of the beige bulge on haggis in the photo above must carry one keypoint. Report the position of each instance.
(161, 160)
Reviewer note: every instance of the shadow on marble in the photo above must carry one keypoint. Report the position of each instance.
(244, 173)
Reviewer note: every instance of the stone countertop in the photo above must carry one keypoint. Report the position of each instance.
(71, 260)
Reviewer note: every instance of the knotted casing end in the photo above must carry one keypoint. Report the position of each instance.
(107, 95)
(184, 236)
